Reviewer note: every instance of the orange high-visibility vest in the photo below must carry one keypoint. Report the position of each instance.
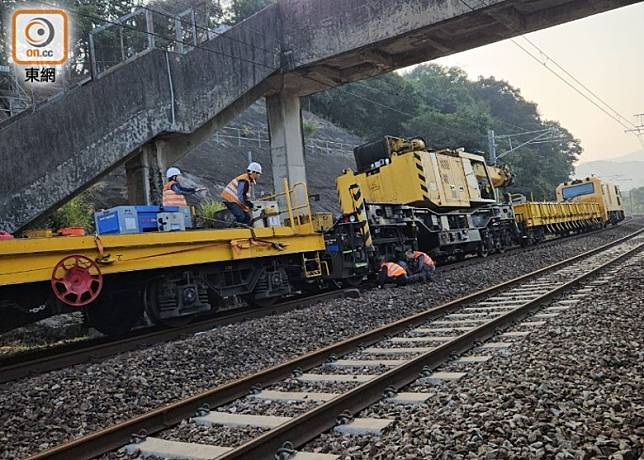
(425, 258)
(394, 270)
(230, 191)
(172, 198)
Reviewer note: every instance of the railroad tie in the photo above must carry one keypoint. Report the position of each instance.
(367, 362)
(440, 330)
(438, 378)
(420, 339)
(409, 399)
(293, 396)
(358, 426)
(228, 419)
(156, 447)
(474, 359)
(532, 324)
(397, 351)
(515, 334)
(496, 345)
(335, 378)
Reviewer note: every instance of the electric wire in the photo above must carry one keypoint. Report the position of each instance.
(617, 118)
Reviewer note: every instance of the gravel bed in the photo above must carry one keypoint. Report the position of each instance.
(255, 406)
(52, 331)
(318, 387)
(43, 411)
(350, 370)
(573, 388)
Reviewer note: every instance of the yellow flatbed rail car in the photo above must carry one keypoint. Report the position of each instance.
(554, 217)
(172, 276)
(33, 260)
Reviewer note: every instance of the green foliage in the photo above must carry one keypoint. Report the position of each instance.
(310, 128)
(450, 111)
(210, 208)
(351, 106)
(77, 212)
(242, 9)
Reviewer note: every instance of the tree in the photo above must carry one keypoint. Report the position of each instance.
(242, 9)
(371, 108)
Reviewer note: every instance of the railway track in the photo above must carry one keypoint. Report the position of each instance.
(43, 360)
(450, 266)
(420, 344)
(37, 362)
(93, 350)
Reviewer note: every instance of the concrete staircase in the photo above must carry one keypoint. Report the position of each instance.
(70, 142)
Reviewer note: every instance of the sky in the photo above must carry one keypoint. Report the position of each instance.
(605, 52)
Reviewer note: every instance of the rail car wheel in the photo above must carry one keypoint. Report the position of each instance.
(115, 314)
(161, 295)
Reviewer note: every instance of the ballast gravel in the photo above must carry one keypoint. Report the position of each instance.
(571, 389)
(43, 411)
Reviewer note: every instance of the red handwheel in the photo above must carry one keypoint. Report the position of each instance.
(76, 280)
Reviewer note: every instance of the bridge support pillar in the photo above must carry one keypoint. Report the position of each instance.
(144, 174)
(287, 142)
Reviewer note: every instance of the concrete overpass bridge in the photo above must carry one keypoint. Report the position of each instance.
(150, 111)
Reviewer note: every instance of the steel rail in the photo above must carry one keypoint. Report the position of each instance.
(477, 260)
(26, 364)
(118, 435)
(311, 424)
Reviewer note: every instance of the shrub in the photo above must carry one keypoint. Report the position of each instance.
(77, 212)
(310, 128)
(210, 208)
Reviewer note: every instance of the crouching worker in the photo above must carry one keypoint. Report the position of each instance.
(174, 194)
(237, 194)
(392, 273)
(421, 264)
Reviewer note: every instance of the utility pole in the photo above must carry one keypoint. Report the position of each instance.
(639, 129)
(541, 136)
(491, 144)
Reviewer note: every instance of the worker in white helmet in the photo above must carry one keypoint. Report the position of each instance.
(237, 193)
(174, 194)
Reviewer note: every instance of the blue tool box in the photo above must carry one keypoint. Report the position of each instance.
(135, 219)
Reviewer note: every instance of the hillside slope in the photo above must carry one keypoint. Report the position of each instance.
(626, 171)
(225, 155)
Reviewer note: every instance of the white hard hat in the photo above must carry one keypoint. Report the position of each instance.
(255, 167)
(171, 172)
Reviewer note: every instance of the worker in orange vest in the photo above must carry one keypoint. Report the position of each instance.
(393, 273)
(420, 263)
(174, 194)
(237, 193)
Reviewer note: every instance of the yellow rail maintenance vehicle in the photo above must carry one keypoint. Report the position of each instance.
(170, 276)
(446, 199)
(595, 190)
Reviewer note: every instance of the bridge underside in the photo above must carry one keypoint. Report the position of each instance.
(461, 25)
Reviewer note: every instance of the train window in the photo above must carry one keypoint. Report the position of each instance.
(577, 190)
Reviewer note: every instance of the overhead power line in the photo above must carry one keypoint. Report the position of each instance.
(606, 109)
